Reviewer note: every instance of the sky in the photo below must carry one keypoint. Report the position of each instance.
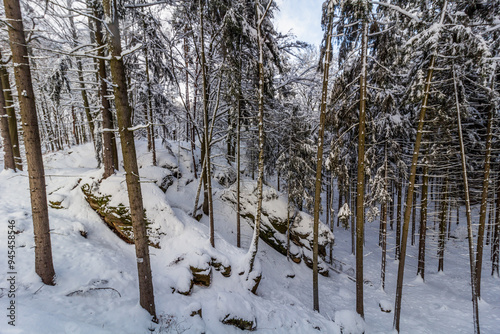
(302, 17)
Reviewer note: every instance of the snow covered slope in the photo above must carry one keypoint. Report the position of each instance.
(97, 289)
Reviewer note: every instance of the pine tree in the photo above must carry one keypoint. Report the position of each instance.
(124, 112)
(43, 250)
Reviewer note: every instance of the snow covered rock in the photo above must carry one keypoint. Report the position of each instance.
(234, 310)
(349, 322)
(385, 306)
(225, 177)
(274, 224)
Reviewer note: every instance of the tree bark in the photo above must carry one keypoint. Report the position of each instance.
(319, 158)
(81, 79)
(11, 113)
(149, 110)
(475, 308)
(360, 193)
(260, 178)
(124, 111)
(495, 243)
(398, 218)
(413, 218)
(442, 223)
(423, 222)
(238, 176)
(8, 158)
(108, 151)
(484, 196)
(383, 240)
(208, 174)
(43, 251)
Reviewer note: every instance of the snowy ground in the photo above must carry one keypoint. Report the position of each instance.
(96, 290)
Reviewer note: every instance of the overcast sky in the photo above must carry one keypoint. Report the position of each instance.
(302, 17)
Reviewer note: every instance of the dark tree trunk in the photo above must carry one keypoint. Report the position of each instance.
(475, 306)
(398, 218)
(413, 218)
(442, 224)
(383, 227)
(109, 149)
(319, 160)
(423, 222)
(206, 137)
(391, 206)
(8, 158)
(11, 113)
(484, 198)
(43, 251)
(124, 112)
(360, 192)
(495, 244)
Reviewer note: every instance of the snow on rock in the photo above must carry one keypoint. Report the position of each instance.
(274, 221)
(350, 322)
(235, 310)
(385, 306)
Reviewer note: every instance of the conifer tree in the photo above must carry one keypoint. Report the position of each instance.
(124, 112)
(43, 249)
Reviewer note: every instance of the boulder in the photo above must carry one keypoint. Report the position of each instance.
(234, 310)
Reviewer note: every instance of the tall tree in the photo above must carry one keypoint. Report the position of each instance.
(206, 132)
(329, 9)
(43, 250)
(411, 186)
(472, 265)
(261, 15)
(124, 113)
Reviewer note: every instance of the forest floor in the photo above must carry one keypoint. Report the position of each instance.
(96, 287)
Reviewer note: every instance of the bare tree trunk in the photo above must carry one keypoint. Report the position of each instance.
(238, 176)
(484, 195)
(353, 216)
(398, 218)
(149, 116)
(423, 222)
(108, 151)
(490, 221)
(76, 131)
(332, 212)
(81, 79)
(129, 159)
(11, 113)
(391, 206)
(475, 308)
(411, 186)
(341, 193)
(413, 218)
(495, 243)
(260, 40)
(383, 241)
(442, 224)
(43, 251)
(8, 158)
(208, 174)
(360, 194)
(319, 158)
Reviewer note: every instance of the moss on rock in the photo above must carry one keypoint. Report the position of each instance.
(117, 218)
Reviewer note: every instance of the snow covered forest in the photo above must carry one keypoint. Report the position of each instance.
(181, 166)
